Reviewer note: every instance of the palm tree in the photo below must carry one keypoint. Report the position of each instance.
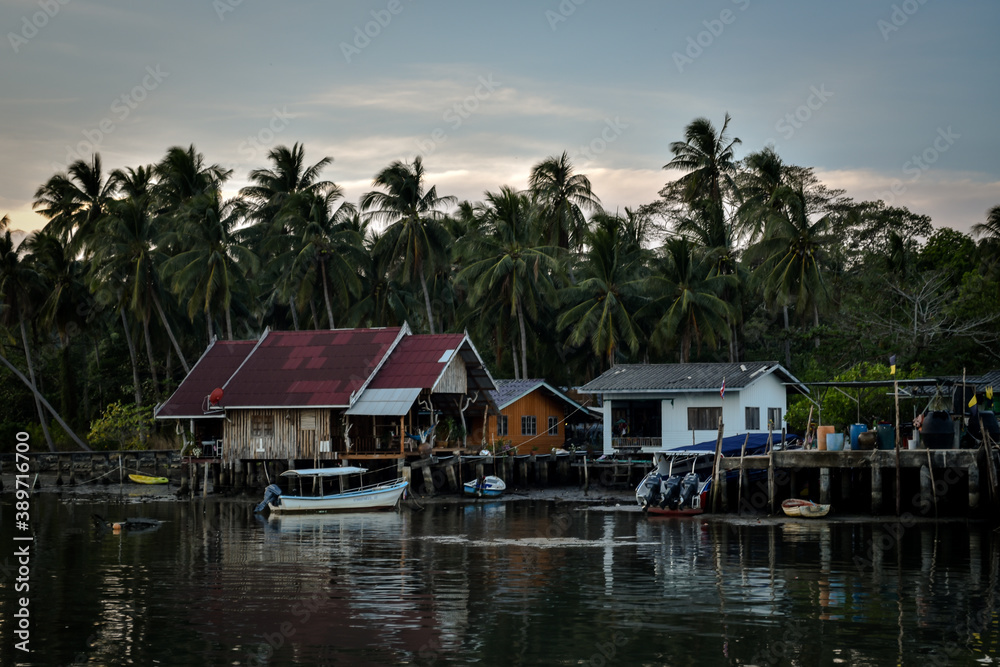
(325, 240)
(415, 235)
(183, 175)
(385, 301)
(686, 289)
(762, 174)
(563, 196)
(75, 202)
(602, 306)
(791, 256)
(19, 287)
(506, 266)
(707, 157)
(215, 264)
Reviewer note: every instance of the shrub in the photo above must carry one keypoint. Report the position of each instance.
(121, 427)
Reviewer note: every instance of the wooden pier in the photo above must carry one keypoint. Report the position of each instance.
(963, 480)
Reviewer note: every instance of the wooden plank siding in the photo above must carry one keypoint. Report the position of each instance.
(454, 379)
(536, 404)
(287, 440)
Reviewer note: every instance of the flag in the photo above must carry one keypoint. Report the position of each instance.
(972, 403)
(973, 408)
(892, 365)
(722, 390)
(989, 393)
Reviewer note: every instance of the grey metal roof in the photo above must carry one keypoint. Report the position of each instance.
(385, 402)
(666, 378)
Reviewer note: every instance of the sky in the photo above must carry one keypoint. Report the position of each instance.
(892, 100)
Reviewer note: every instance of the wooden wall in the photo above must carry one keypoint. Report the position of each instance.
(296, 434)
(542, 406)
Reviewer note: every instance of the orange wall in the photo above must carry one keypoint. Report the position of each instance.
(542, 406)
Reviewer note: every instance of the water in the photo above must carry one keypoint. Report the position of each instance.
(498, 584)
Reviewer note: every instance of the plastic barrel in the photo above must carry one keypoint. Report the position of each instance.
(822, 433)
(835, 442)
(886, 436)
(856, 430)
(938, 431)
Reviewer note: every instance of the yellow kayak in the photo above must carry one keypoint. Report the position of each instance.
(146, 479)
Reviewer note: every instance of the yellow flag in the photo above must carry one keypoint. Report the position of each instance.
(973, 401)
(989, 393)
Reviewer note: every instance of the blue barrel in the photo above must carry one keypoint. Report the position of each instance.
(856, 430)
(835, 442)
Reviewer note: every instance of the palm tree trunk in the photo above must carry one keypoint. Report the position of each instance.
(524, 340)
(135, 361)
(816, 325)
(295, 314)
(170, 332)
(788, 340)
(208, 325)
(326, 296)
(229, 322)
(513, 355)
(149, 354)
(34, 387)
(312, 309)
(427, 300)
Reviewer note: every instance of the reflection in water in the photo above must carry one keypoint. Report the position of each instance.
(503, 584)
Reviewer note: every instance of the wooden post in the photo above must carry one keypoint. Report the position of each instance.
(543, 470)
(586, 475)
(973, 485)
(899, 469)
(428, 480)
(449, 471)
(824, 486)
(718, 462)
(204, 486)
(926, 488)
(771, 491)
(739, 492)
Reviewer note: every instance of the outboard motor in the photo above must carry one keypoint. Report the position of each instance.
(272, 492)
(650, 492)
(671, 492)
(689, 487)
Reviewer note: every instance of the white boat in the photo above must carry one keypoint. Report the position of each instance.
(383, 495)
(489, 486)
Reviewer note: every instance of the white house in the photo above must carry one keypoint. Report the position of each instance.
(664, 406)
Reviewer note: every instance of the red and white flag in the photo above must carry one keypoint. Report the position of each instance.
(722, 391)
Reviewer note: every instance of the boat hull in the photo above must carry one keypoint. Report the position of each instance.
(147, 479)
(380, 497)
(489, 487)
(657, 511)
(804, 508)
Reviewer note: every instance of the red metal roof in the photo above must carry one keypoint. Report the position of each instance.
(212, 370)
(417, 361)
(308, 368)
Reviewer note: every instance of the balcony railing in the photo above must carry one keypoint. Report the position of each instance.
(636, 443)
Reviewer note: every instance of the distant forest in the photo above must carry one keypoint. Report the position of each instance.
(739, 259)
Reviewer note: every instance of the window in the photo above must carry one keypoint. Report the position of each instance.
(774, 418)
(553, 425)
(753, 419)
(501, 424)
(704, 419)
(308, 420)
(262, 426)
(529, 425)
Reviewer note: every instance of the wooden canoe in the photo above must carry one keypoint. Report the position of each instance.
(804, 508)
(147, 479)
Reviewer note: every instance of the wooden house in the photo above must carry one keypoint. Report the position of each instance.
(337, 394)
(665, 406)
(533, 416)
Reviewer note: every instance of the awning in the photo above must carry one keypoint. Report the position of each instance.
(385, 402)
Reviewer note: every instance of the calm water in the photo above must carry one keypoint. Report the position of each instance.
(498, 584)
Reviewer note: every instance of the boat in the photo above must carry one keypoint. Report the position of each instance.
(662, 493)
(804, 508)
(383, 495)
(489, 486)
(148, 479)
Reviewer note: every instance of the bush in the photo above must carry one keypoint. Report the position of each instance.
(121, 427)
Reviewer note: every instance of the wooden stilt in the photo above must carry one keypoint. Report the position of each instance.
(876, 489)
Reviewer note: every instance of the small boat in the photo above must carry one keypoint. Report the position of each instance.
(489, 486)
(383, 495)
(147, 479)
(663, 493)
(804, 508)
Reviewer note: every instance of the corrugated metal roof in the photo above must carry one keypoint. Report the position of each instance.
(216, 365)
(308, 368)
(385, 402)
(684, 377)
(417, 361)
